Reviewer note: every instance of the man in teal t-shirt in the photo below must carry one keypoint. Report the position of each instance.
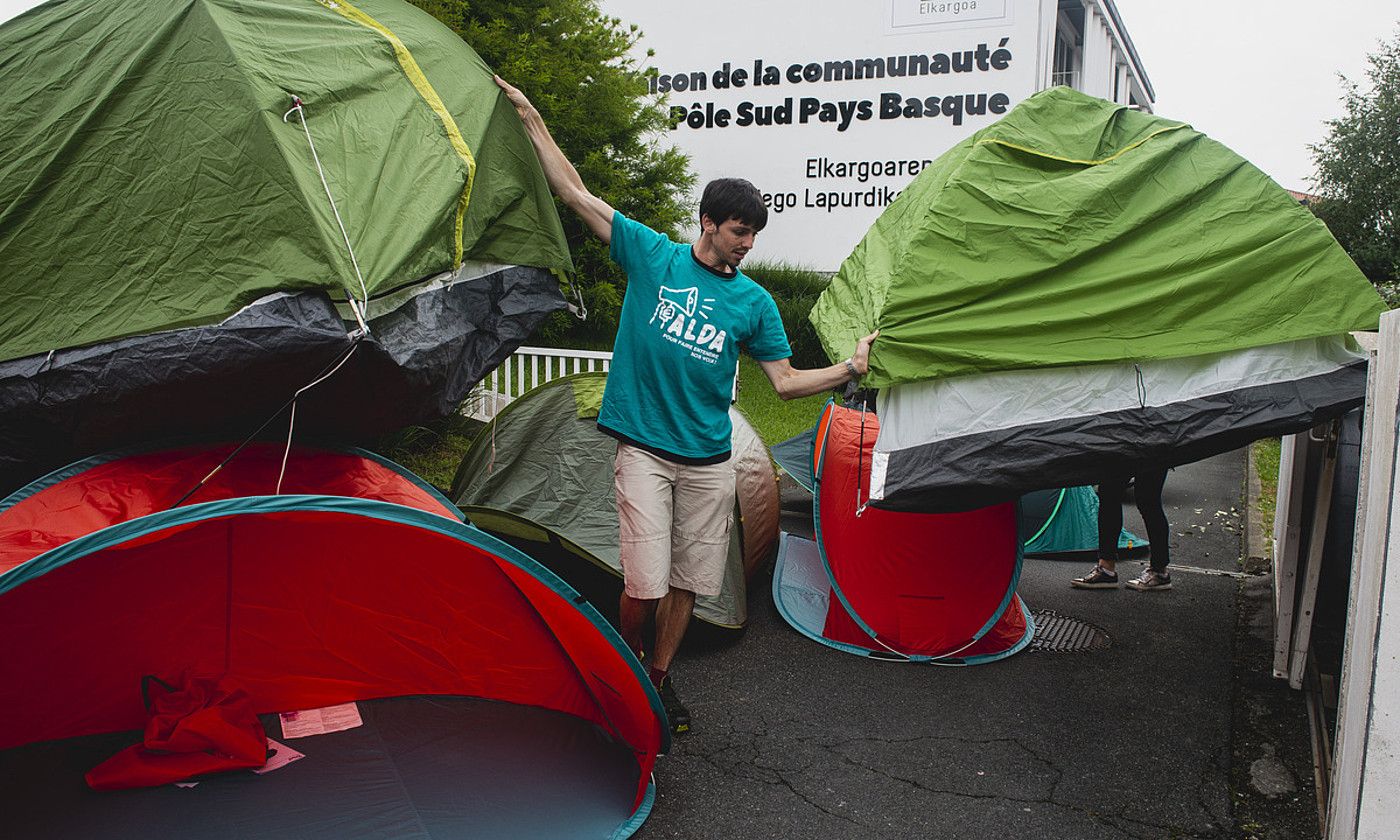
(678, 341)
(687, 311)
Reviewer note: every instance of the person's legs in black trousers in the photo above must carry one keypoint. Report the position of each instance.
(1111, 492)
(1147, 493)
(1104, 575)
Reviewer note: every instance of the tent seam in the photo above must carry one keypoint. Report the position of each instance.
(398, 777)
(82, 465)
(97, 104)
(1007, 597)
(781, 565)
(828, 417)
(1128, 148)
(429, 95)
(1059, 500)
(485, 434)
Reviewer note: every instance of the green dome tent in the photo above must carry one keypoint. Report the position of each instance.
(204, 203)
(540, 476)
(1081, 285)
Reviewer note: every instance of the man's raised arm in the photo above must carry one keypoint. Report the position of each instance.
(562, 176)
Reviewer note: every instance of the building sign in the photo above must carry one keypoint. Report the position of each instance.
(926, 13)
(831, 108)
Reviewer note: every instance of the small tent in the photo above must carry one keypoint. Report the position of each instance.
(494, 703)
(206, 204)
(1060, 522)
(1064, 522)
(541, 475)
(1081, 286)
(908, 587)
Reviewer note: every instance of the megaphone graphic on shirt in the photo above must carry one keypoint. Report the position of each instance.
(682, 299)
(673, 299)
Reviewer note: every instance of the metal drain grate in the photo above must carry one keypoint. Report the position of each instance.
(1062, 634)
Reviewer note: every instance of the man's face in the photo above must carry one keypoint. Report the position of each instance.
(732, 239)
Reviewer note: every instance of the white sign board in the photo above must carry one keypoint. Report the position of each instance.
(832, 107)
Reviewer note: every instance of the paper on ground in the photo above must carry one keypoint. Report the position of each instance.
(278, 755)
(320, 721)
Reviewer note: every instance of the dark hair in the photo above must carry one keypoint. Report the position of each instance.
(733, 198)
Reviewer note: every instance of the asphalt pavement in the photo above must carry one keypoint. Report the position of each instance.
(792, 739)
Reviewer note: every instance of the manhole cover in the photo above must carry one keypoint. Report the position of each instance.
(1062, 634)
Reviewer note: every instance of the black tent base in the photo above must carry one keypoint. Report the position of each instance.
(419, 767)
(419, 361)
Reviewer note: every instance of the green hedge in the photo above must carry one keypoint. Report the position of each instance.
(795, 290)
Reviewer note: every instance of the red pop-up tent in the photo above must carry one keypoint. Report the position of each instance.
(904, 586)
(495, 704)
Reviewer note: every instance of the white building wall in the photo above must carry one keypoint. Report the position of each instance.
(831, 153)
(1100, 61)
(1048, 18)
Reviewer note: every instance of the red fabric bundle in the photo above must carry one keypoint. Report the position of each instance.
(201, 725)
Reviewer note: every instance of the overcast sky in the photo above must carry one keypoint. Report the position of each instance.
(1258, 75)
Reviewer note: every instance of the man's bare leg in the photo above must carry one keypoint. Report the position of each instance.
(672, 619)
(633, 615)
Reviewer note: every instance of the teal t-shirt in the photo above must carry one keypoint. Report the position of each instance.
(677, 346)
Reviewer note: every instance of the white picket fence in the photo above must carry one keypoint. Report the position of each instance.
(529, 367)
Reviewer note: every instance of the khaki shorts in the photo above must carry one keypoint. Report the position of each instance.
(673, 522)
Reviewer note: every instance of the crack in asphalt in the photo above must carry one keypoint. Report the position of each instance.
(743, 767)
(740, 754)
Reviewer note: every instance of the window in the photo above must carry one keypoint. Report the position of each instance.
(1069, 44)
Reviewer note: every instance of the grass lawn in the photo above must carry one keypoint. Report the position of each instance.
(431, 452)
(773, 419)
(1266, 454)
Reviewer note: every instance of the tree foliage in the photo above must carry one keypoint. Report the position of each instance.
(574, 63)
(1358, 171)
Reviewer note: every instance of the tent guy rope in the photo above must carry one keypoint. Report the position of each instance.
(329, 369)
(358, 307)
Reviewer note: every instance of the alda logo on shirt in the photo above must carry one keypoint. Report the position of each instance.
(678, 314)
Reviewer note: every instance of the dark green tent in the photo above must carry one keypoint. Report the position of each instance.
(540, 475)
(204, 203)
